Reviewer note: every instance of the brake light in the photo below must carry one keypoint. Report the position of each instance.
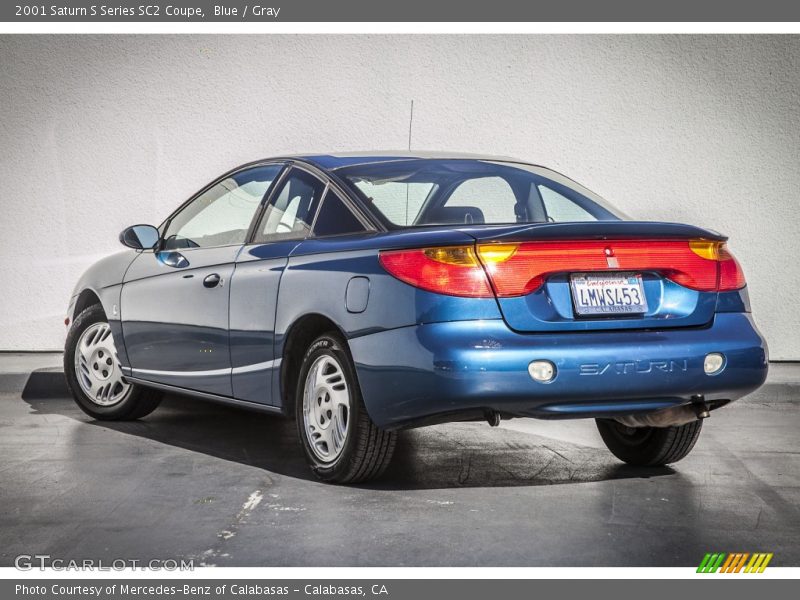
(522, 268)
(453, 270)
(697, 264)
(731, 276)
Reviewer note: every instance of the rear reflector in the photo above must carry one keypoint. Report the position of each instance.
(542, 371)
(521, 268)
(713, 363)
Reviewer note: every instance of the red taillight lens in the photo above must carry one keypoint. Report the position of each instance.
(454, 270)
(731, 276)
(523, 268)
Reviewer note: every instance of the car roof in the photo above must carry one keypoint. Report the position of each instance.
(338, 160)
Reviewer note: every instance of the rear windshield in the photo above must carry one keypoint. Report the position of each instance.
(419, 192)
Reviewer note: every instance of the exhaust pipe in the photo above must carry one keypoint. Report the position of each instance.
(669, 417)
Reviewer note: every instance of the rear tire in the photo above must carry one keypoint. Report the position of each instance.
(340, 441)
(649, 446)
(93, 372)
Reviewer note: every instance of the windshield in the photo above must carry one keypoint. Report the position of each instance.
(419, 192)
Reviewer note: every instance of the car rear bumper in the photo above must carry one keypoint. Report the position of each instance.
(449, 371)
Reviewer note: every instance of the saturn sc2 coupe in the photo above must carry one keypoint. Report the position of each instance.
(367, 293)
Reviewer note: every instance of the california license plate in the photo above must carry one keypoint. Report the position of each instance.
(608, 293)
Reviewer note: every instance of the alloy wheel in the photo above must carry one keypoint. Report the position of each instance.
(97, 367)
(326, 408)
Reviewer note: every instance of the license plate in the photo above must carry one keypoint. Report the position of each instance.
(608, 293)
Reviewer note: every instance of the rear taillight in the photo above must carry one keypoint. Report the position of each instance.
(731, 276)
(453, 270)
(521, 268)
(696, 264)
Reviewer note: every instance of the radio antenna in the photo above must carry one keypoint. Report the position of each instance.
(410, 123)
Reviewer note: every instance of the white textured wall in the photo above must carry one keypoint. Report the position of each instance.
(100, 132)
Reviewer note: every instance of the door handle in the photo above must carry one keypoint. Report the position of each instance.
(212, 280)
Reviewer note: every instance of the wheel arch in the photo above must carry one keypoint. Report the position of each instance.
(107, 299)
(88, 297)
(298, 338)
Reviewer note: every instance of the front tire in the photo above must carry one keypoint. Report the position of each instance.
(649, 446)
(94, 374)
(339, 439)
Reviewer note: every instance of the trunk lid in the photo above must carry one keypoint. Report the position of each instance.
(564, 274)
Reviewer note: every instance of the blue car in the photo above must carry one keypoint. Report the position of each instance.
(367, 293)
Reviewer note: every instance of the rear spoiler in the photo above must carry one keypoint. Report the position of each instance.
(594, 230)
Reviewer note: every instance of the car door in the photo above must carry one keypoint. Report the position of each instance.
(285, 222)
(175, 299)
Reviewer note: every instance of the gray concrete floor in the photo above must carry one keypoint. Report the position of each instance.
(225, 487)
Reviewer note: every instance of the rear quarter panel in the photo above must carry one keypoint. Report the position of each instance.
(318, 272)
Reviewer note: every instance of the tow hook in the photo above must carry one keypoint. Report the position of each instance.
(493, 418)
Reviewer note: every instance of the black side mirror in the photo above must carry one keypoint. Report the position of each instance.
(139, 237)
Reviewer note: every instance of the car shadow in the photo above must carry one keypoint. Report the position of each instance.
(442, 456)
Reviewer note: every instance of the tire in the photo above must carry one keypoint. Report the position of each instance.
(649, 446)
(96, 382)
(339, 439)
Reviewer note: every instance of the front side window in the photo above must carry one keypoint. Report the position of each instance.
(291, 212)
(419, 192)
(221, 215)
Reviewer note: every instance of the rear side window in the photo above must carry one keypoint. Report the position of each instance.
(399, 202)
(335, 218)
(561, 209)
(291, 212)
